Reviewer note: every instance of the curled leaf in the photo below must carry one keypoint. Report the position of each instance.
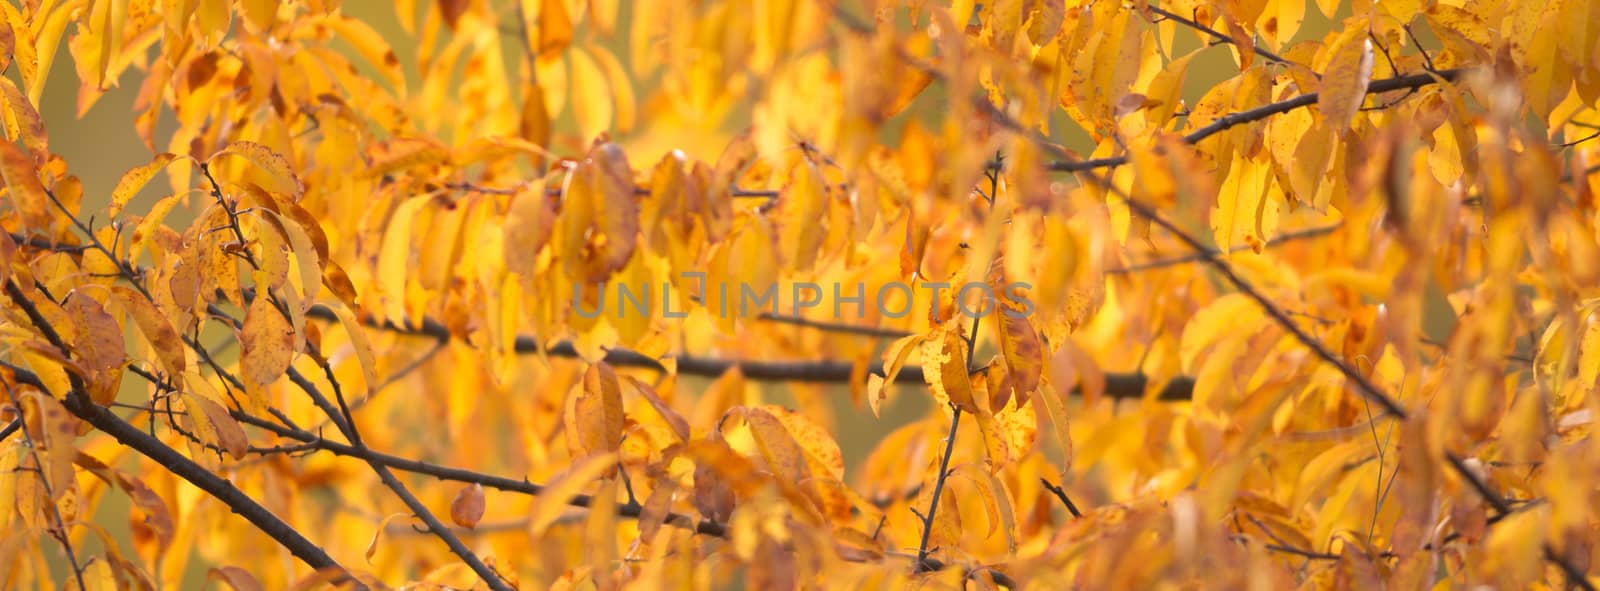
(467, 508)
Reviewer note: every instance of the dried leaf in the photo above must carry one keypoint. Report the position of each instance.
(467, 508)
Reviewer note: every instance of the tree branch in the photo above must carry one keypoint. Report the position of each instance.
(345, 423)
(1223, 123)
(1118, 385)
(1215, 34)
(1061, 493)
(128, 435)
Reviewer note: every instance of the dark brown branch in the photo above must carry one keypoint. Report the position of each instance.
(1061, 493)
(130, 436)
(703, 526)
(345, 423)
(949, 441)
(632, 511)
(1575, 142)
(1364, 386)
(1215, 34)
(1575, 576)
(77, 402)
(417, 507)
(58, 529)
(1118, 385)
(46, 244)
(1279, 240)
(836, 327)
(1236, 118)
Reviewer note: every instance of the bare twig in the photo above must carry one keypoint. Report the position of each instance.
(1061, 493)
(955, 416)
(1215, 34)
(1279, 240)
(78, 403)
(345, 422)
(1237, 118)
(58, 529)
(11, 427)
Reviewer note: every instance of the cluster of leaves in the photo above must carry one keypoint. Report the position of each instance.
(1332, 321)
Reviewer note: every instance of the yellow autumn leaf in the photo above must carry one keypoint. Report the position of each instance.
(134, 180)
(23, 120)
(594, 418)
(894, 358)
(783, 455)
(1345, 77)
(368, 42)
(528, 227)
(372, 546)
(1247, 210)
(157, 329)
(944, 362)
(395, 259)
(275, 165)
(358, 341)
(800, 211)
(266, 341)
(552, 22)
(622, 91)
(556, 496)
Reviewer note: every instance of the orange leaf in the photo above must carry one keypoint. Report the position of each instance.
(554, 26)
(26, 191)
(25, 120)
(782, 453)
(680, 427)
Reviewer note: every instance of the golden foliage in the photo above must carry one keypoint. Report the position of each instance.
(1023, 293)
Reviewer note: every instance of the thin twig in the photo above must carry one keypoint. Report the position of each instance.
(1061, 493)
(938, 489)
(1237, 118)
(10, 428)
(1215, 34)
(77, 402)
(1279, 240)
(58, 529)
